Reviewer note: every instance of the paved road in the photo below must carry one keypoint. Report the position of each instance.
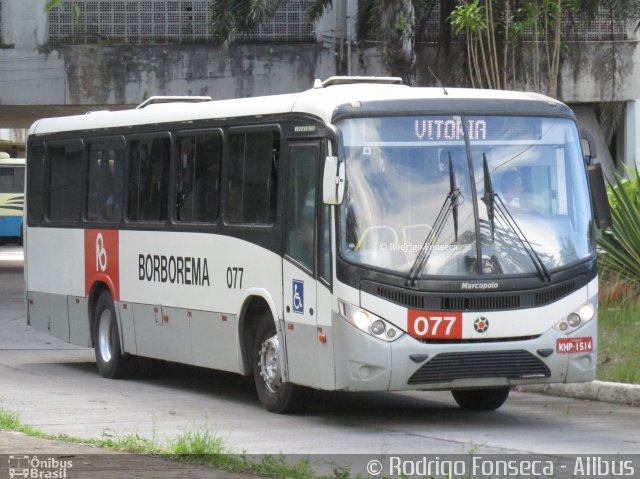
(56, 388)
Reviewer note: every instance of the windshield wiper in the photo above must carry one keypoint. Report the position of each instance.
(452, 188)
(449, 206)
(495, 205)
(489, 196)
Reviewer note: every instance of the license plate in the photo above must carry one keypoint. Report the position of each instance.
(434, 324)
(574, 345)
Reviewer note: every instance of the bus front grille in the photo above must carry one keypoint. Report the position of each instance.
(485, 301)
(447, 367)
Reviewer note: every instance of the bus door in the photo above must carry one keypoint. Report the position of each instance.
(299, 264)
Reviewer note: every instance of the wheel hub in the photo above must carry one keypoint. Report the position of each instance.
(269, 364)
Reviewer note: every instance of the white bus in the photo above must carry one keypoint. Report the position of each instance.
(361, 236)
(11, 197)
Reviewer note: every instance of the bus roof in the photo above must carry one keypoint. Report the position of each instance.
(318, 101)
(11, 161)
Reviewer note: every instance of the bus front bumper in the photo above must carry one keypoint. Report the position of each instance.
(366, 363)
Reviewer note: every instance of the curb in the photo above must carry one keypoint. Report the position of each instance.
(618, 393)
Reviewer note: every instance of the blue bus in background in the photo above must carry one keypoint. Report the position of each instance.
(11, 198)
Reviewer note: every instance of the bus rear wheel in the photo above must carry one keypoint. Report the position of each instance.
(112, 364)
(274, 394)
(481, 399)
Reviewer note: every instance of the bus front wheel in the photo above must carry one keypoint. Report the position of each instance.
(274, 394)
(112, 364)
(480, 399)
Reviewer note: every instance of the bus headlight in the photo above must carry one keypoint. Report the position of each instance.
(574, 320)
(369, 322)
(586, 312)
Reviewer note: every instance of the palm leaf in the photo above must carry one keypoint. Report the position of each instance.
(52, 4)
(620, 245)
(317, 9)
(229, 17)
(369, 20)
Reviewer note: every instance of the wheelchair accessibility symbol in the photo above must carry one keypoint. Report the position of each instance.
(298, 296)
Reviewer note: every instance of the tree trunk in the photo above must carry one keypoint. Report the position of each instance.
(398, 39)
(554, 72)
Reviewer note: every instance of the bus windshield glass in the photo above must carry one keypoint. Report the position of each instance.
(509, 190)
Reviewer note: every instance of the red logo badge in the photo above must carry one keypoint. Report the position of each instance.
(101, 258)
(481, 324)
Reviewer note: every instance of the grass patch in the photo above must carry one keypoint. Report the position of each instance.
(10, 421)
(195, 447)
(619, 336)
(129, 443)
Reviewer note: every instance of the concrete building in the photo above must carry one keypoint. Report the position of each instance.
(122, 51)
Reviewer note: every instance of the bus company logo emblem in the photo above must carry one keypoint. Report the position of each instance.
(298, 296)
(101, 254)
(101, 260)
(481, 324)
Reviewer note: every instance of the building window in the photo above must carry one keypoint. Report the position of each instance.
(149, 22)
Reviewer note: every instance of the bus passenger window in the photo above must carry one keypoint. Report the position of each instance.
(148, 179)
(198, 178)
(11, 180)
(65, 182)
(105, 182)
(253, 173)
(35, 182)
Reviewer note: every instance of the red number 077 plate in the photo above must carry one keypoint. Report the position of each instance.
(434, 324)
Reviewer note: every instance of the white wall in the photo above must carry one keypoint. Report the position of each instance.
(632, 134)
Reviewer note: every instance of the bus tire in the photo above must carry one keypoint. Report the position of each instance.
(274, 394)
(481, 399)
(112, 364)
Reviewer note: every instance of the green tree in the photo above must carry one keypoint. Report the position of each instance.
(395, 21)
(75, 8)
(493, 28)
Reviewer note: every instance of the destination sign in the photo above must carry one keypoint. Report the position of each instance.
(452, 129)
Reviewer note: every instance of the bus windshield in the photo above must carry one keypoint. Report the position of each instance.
(501, 186)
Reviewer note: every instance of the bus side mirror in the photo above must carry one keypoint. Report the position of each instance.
(587, 139)
(333, 181)
(601, 209)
